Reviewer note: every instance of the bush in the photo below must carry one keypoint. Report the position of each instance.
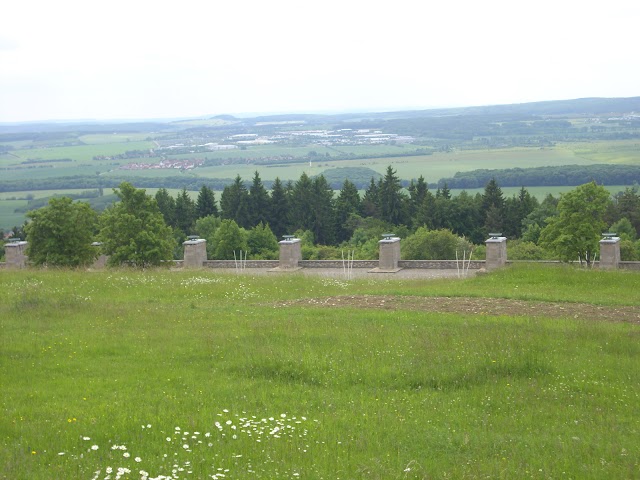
(523, 250)
(434, 245)
(629, 251)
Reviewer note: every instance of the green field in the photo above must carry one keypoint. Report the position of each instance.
(204, 374)
(8, 218)
(622, 151)
(432, 167)
(81, 153)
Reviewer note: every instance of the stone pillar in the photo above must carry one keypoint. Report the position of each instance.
(101, 259)
(610, 253)
(389, 254)
(290, 253)
(496, 252)
(195, 253)
(15, 254)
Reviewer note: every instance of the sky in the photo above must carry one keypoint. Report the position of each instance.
(139, 59)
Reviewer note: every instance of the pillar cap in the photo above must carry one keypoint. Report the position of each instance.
(289, 239)
(195, 241)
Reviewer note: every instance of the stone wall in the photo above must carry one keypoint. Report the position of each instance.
(410, 264)
(247, 264)
(629, 265)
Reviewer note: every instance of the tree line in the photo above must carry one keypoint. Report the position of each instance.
(566, 175)
(143, 230)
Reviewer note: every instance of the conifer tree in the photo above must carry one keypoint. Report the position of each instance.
(167, 205)
(259, 202)
(278, 218)
(369, 207)
(234, 203)
(185, 212)
(323, 219)
(206, 203)
(393, 208)
(347, 204)
(301, 211)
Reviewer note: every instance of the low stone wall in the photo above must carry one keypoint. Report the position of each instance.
(629, 265)
(236, 264)
(410, 264)
(441, 264)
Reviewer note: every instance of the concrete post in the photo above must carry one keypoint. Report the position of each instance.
(389, 254)
(609, 253)
(15, 254)
(195, 253)
(290, 253)
(496, 252)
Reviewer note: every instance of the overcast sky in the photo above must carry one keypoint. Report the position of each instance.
(116, 59)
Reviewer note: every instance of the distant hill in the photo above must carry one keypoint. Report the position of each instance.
(582, 106)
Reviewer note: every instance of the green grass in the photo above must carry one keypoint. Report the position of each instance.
(432, 167)
(8, 217)
(621, 151)
(81, 153)
(125, 358)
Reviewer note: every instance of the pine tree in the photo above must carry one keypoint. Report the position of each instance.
(185, 212)
(234, 203)
(393, 208)
(167, 205)
(301, 211)
(206, 203)
(259, 202)
(323, 225)
(369, 207)
(278, 218)
(492, 207)
(347, 204)
(417, 194)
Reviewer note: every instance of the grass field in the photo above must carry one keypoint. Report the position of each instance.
(202, 375)
(622, 151)
(8, 217)
(432, 167)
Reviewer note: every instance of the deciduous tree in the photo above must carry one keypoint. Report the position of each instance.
(574, 234)
(133, 231)
(60, 234)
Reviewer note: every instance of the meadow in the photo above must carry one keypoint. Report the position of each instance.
(174, 374)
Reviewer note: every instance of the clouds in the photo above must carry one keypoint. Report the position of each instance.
(140, 58)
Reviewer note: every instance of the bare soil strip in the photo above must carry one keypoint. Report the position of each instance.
(478, 306)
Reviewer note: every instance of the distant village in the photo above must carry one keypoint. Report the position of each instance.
(341, 137)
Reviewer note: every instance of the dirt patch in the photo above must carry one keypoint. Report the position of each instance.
(478, 306)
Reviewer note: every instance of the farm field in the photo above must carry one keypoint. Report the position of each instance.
(207, 375)
(432, 167)
(8, 217)
(622, 151)
(80, 153)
